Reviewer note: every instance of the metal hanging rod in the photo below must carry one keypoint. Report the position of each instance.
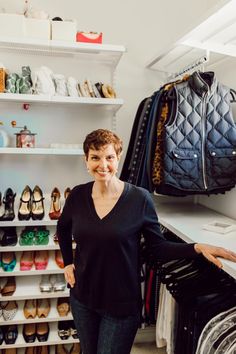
(201, 61)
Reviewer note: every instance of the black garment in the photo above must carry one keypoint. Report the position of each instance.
(107, 261)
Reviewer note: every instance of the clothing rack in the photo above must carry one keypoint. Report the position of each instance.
(197, 63)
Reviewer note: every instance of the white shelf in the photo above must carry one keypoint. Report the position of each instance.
(17, 222)
(53, 315)
(41, 151)
(100, 53)
(53, 339)
(30, 286)
(109, 104)
(187, 220)
(215, 34)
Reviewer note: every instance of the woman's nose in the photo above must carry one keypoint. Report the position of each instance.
(103, 163)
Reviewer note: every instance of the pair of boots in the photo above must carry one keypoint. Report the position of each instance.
(19, 83)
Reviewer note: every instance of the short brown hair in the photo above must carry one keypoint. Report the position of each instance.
(101, 137)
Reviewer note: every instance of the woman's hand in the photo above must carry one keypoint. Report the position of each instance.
(211, 252)
(69, 274)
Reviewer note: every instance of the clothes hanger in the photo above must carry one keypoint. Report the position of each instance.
(233, 95)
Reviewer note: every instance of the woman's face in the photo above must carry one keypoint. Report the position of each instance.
(103, 163)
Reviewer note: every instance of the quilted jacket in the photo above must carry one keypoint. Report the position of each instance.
(200, 141)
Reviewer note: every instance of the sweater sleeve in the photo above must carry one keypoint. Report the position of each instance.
(64, 231)
(157, 247)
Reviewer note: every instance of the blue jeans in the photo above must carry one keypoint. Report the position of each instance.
(102, 333)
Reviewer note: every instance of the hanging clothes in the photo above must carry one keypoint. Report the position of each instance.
(184, 139)
(201, 291)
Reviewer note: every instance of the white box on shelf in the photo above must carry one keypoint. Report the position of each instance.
(220, 227)
(12, 25)
(64, 30)
(36, 28)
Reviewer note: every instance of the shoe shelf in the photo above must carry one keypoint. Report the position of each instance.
(53, 339)
(17, 248)
(46, 221)
(19, 317)
(109, 104)
(52, 268)
(41, 151)
(29, 287)
(107, 54)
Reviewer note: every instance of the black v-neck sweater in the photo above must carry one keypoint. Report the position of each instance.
(107, 253)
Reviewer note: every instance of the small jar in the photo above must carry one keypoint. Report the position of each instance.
(25, 139)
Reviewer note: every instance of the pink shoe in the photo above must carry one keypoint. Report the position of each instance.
(41, 260)
(26, 260)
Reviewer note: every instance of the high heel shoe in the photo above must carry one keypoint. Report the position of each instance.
(24, 211)
(37, 204)
(67, 192)
(43, 308)
(8, 201)
(55, 208)
(30, 309)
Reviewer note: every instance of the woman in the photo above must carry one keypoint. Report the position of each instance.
(107, 218)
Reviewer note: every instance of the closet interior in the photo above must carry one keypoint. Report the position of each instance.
(34, 286)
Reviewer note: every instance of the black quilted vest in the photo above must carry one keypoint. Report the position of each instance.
(200, 142)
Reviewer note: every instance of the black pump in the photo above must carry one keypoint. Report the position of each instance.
(8, 201)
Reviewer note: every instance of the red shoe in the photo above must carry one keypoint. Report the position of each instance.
(59, 259)
(41, 259)
(26, 260)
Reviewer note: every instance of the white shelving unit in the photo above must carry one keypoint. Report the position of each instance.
(187, 221)
(108, 104)
(41, 151)
(107, 54)
(102, 56)
(212, 39)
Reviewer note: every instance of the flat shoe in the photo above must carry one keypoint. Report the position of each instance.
(59, 259)
(63, 306)
(26, 260)
(42, 331)
(8, 261)
(41, 259)
(9, 309)
(10, 287)
(29, 332)
(9, 237)
(11, 334)
(43, 308)
(30, 309)
(45, 285)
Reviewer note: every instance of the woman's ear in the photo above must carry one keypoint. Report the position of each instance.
(119, 156)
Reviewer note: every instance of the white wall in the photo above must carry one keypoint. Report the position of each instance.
(145, 28)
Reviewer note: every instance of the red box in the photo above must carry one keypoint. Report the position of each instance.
(89, 37)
